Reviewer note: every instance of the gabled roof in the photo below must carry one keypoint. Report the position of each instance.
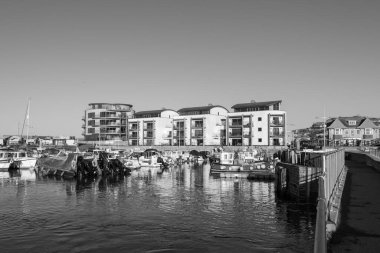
(256, 104)
(367, 123)
(336, 123)
(200, 108)
(360, 122)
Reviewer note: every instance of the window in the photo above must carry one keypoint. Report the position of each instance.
(337, 131)
(260, 140)
(368, 131)
(260, 129)
(91, 130)
(352, 122)
(358, 131)
(352, 132)
(91, 115)
(259, 119)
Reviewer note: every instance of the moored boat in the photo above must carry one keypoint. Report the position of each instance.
(228, 165)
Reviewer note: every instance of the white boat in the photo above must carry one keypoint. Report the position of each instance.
(228, 165)
(20, 159)
(131, 163)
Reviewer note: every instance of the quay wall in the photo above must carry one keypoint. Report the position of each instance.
(297, 182)
(124, 146)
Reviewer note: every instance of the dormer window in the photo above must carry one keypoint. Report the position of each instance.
(352, 122)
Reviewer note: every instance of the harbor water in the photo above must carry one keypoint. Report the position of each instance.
(184, 209)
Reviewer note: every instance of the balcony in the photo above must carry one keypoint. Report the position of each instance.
(235, 135)
(247, 125)
(337, 136)
(197, 136)
(247, 136)
(367, 136)
(276, 123)
(109, 131)
(197, 125)
(133, 128)
(236, 124)
(133, 136)
(150, 136)
(276, 134)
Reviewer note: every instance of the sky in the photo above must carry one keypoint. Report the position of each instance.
(318, 57)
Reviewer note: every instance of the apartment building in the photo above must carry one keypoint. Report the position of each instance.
(200, 126)
(149, 128)
(254, 123)
(352, 131)
(257, 123)
(105, 121)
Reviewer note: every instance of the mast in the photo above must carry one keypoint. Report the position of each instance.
(26, 122)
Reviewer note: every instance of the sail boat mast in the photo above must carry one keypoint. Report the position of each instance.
(26, 122)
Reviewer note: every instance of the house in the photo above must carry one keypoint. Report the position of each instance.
(352, 131)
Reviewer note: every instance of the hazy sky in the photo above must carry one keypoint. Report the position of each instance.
(65, 54)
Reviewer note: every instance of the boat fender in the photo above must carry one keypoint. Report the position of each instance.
(73, 164)
(94, 163)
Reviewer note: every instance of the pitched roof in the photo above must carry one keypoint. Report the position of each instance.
(367, 123)
(336, 123)
(360, 122)
(256, 104)
(200, 108)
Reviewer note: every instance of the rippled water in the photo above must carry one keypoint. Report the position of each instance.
(182, 210)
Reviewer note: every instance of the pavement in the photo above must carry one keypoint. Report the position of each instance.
(359, 227)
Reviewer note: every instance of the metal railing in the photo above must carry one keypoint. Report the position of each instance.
(333, 166)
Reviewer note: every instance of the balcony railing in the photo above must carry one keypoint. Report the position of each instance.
(235, 135)
(197, 136)
(108, 131)
(133, 136)
(247, 125)
(337, 136)
(276, 123)
(197, 126)
(134, 128)
(247, 136)
(276, 133)
(236, 125)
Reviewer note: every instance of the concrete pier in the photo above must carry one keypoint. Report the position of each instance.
(359, 227)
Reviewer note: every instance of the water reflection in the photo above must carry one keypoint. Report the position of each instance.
(179, 209)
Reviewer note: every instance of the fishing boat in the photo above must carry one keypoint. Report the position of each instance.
(227, 165)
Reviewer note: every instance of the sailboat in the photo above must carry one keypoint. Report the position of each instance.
(21, 159)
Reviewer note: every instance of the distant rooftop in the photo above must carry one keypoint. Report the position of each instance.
(199, 109)
(257, 106)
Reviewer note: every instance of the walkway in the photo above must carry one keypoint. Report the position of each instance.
(359, 230)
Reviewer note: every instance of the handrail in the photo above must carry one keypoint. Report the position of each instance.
(320, 242)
